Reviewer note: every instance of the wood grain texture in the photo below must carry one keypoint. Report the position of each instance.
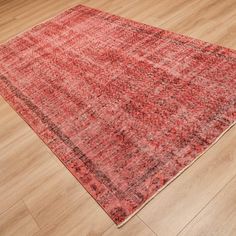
(220, 211)
(189, 205)
(17, 221)
(81, 217)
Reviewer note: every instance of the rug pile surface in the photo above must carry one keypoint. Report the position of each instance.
(123, 105)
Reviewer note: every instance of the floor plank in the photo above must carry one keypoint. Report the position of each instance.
(81, 216)
(17, 221)
(218, 218)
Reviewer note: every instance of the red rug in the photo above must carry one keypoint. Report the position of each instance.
(124, 106)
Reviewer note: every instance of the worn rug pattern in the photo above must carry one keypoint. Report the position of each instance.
(124, 106)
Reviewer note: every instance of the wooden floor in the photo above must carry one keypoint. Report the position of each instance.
(38, 196)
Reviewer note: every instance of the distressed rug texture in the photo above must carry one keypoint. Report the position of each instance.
(123, 105)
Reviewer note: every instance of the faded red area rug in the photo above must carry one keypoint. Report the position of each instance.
(124, 106)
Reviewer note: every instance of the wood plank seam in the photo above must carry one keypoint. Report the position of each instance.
(228, 183)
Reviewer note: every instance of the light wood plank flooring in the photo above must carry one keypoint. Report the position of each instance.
(38, 196)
